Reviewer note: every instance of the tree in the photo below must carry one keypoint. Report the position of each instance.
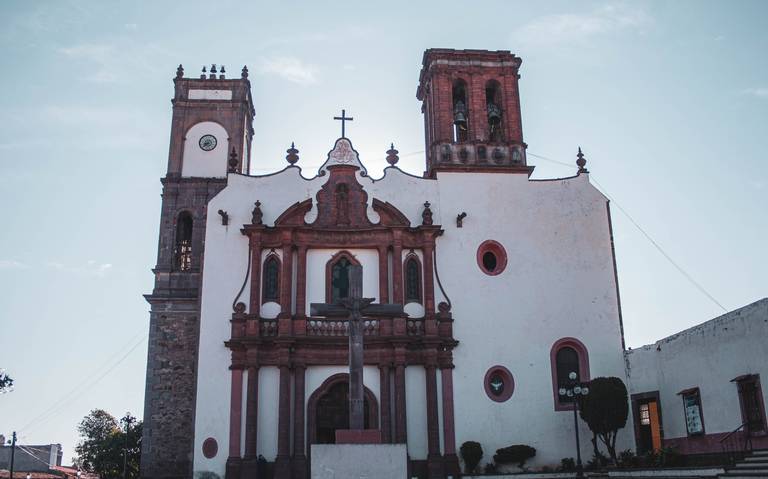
(605, 410)
(471, 452)
(6, 382)
(103, 445)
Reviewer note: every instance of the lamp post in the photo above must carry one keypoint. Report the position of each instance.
(573, 389)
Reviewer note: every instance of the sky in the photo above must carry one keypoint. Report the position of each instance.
(668, 100)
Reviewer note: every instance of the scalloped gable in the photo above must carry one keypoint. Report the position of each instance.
(343, 154)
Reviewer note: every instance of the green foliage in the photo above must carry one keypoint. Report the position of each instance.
(6, 382)
(605, 410)
(103, 445)
(490, 468)
(627, 458)
(518, 453)
(471, 453)
(567, 464)
(598, 461)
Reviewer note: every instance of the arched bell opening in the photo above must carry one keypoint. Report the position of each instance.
(494, 111)
(460, 111)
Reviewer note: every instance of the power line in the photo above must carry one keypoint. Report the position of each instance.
(84, 385)
(685, 274)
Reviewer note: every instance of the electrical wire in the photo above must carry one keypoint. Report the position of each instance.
(656, 245)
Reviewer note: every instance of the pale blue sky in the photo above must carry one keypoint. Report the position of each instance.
(669, 101)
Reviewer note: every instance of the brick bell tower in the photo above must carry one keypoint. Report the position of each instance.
(211, 131)
(471, 106)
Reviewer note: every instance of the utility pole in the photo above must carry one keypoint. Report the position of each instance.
(127, 420)
(13, 450)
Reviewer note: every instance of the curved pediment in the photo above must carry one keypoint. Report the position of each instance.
(294, 215)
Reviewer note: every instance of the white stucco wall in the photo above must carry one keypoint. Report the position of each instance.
(196, 161)
(559, 282)
(707, 356)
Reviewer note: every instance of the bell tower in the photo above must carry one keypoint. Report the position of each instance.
(471, 106)
(211, 131)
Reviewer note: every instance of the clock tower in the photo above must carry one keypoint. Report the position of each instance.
(211, 131)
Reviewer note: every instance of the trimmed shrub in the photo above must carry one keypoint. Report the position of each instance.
(515, 454)
(471, 452)
(567, 464)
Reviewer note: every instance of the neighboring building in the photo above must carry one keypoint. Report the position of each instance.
(509, 284)
(691, 389)
(31, 458)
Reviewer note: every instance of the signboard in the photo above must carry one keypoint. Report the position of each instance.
(693, 414)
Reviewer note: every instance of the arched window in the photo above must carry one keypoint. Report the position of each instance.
(412, 279)
(460, 112)
(567, 355)
(494, 111)
(183, 248)
(338, 276)
(271, 282)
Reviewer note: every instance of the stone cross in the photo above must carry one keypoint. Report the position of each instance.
(354, 307)
(344, 118)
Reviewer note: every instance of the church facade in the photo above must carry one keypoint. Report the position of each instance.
(508, 285)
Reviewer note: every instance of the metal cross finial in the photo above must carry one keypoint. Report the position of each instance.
(343, 119)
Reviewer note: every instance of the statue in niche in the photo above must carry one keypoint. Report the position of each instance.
(342, 204)
(256, 215)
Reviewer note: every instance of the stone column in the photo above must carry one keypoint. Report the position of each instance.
(449, 431)
(251, 418)
(283, 460)
(235, 421)
(286, 281)
(434, 460)
(255, 277)
(299, 455)
(386, 411)
(397, 273)
(301, 282)
(401, 430)
(383, 275)
(429, 282)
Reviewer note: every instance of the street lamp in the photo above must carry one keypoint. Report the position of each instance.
(573, 389)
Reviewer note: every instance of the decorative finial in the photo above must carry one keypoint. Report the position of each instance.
(426, 215)
(202, 75)
(213, 68)
(392, 157)
(222, 72)
(233, 161)
(212, 72)
(257, 215)
(180, 71)
(244, 72)
(292, 156)
(581, 162)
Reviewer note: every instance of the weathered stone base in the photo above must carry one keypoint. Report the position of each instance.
(358, 436)
(372, 461)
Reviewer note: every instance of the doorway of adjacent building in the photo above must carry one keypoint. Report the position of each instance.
(647, 414)
(751, 401)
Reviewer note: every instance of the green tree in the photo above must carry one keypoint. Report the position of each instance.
(104, 445)
(605, 410)
(6, 382)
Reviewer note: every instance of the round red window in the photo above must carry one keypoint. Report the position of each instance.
(499, 384)
(491, 257)
(210, 448)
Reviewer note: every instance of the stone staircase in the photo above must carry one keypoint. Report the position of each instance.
(754, 465)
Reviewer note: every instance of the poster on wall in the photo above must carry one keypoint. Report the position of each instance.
(693, 414)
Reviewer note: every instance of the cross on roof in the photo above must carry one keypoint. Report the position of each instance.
(343, 119)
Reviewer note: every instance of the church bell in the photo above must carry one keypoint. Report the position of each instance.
(494, 114)
(460, 115)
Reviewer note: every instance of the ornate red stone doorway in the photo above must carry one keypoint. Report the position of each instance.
(328, 410)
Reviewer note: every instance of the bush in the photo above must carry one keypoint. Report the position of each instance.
(597, 462)
(605, 410)
(628, 458)
(567, 464)
(518, 453)
(490, 468)
(471, 452)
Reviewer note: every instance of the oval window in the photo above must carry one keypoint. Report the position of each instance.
(491, 257)
(499, 384)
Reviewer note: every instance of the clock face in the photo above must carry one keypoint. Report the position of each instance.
(207, 142)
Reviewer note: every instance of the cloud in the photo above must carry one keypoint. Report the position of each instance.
(568, 28)
(12, 264)
(90, 268)
(291, 69)
(760, 92)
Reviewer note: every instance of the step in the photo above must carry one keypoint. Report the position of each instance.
(745, 474)
(760, 452)
(752, 465)
(756, 459)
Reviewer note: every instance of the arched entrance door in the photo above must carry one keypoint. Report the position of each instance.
(328, 410)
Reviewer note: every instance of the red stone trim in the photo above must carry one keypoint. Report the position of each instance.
(329, 271)
(449, 428)
(583, 354)
(373, 405)
(709, 443)
(235, 413)
(508, 380)
(270, 256)
(413, 257)
(498, 250)
(251, 413)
